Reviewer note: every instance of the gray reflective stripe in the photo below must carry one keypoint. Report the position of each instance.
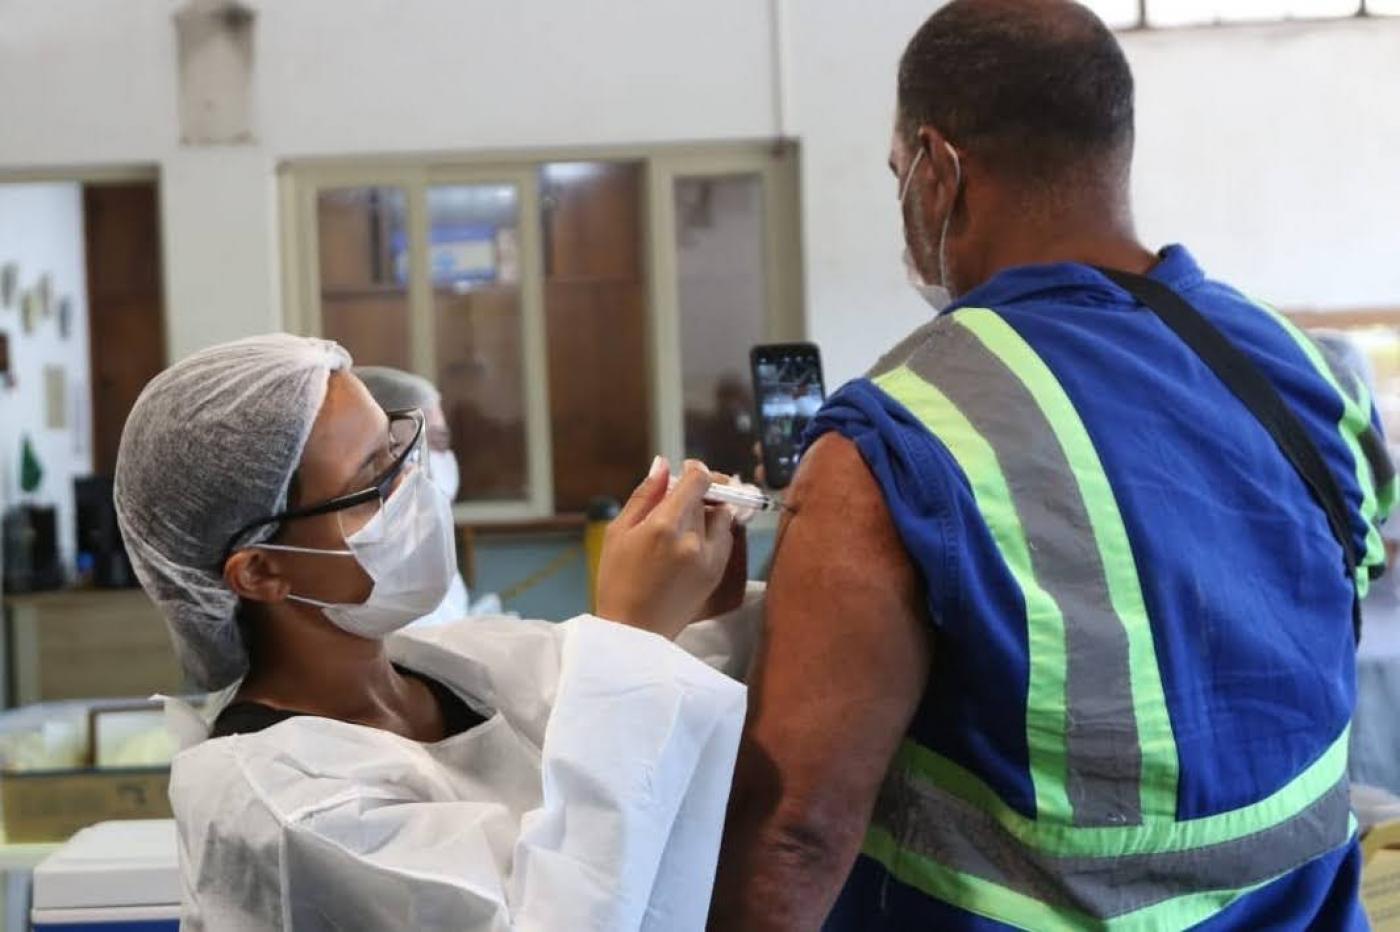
(1104, 759)
(904, 349)
(941, 827)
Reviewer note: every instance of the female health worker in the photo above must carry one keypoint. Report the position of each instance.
(488, 775)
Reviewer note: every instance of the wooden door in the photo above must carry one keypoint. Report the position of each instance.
(595, 305)
(126, 307)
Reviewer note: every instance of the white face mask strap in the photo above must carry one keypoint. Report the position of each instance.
(943, 236)
(311, 550)
(909, 176)
(305, 601)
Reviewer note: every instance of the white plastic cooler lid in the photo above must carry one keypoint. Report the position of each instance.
(133, 863)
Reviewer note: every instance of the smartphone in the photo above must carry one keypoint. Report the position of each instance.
(788, 392)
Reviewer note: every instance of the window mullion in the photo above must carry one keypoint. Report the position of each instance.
(420, 285)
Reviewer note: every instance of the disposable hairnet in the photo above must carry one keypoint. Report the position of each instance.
(210, 446)
(395, 389)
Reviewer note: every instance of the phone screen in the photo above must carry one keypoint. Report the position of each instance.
(788, 389)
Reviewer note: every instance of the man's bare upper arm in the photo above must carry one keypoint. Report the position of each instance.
(844, 655)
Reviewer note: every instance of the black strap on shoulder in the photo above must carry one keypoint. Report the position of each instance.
(1258, 394)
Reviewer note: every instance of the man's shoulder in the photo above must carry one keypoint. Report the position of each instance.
(941, 335)
(904, 350)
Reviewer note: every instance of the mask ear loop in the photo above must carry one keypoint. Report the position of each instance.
(312, 550)
(292, 597)
(909, 176)
(943, 235)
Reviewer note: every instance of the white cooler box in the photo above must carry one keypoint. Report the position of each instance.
(112, 877)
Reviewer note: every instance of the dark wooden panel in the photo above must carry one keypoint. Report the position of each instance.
(593, 224)
(595, 307)
(126, 308)
(598, 390)
(345, 226)
(372, 324)
(481, 376)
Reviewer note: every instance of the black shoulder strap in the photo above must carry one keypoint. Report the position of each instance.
(1258, 394)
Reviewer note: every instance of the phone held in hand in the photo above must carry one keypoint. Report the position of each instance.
(788, 392)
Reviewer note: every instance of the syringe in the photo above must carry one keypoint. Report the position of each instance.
(741, 497)
(745, 497)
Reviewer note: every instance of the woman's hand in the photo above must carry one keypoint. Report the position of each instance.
(734, 583)
(729, 592)
(665, 556)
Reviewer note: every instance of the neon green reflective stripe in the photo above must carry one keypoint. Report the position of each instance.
(1046, 701)
(1158, 835)
(962, 838)
(1355, 421)
(994, 901)
(1103, 760)
(1155, 736)
(970, 893)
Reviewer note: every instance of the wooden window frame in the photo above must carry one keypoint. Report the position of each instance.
(776, 164)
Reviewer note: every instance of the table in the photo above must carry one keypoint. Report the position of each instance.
(82, 643)
(1375, 730)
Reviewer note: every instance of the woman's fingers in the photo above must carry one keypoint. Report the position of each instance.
(719, 539)
(648, 493)
(684, 507)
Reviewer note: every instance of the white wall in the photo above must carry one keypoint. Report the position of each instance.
(1275, 154)
(1267, 149)
(842, 102)
(41, 230)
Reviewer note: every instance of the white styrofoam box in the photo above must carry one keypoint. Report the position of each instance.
(112, 864)
(116, 918)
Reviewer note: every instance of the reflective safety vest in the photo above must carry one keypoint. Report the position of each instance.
(1101, 841)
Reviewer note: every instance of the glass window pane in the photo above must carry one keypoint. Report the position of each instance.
(721, 285)
(1117, 14)
(364, 295)
(473, 241)
(1195, 12)
(595, 308)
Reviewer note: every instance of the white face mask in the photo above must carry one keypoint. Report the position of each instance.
(938, 296)
(407, 550)
(446, 474)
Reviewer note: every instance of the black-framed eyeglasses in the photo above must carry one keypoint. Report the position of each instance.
(405, 446)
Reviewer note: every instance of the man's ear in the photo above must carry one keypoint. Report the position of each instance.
(255, 575)
(939, 162)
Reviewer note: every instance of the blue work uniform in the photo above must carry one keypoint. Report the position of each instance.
(1143, 673)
